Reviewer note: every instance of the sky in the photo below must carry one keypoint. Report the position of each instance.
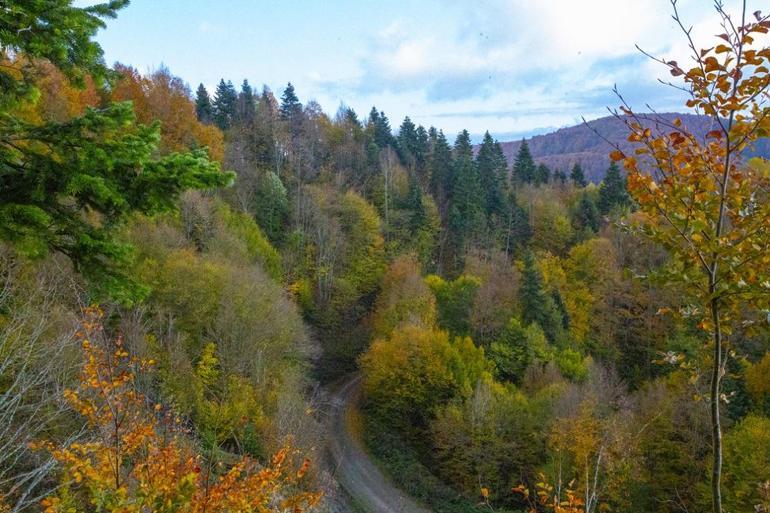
(513, 67)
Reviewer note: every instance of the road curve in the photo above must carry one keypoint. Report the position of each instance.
(355, 470)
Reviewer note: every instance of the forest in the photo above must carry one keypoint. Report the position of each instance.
(187, 273)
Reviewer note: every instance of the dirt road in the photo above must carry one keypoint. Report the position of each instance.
(355, 470)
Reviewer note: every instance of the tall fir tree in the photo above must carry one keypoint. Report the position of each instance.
(613, 191)
(440, 170)
(467, 219)
(489, 165)
(421, 153)
(379, 128)
(524, 165)
(71, 185)
(203, 108)
(518, 230)
(586, 214)
(225, 104)
(291, 108)
(408, 144)
(577, 176)
(246, 103)
(537, 306)
(542, 175)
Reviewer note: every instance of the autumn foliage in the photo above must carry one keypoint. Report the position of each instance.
(133, 462)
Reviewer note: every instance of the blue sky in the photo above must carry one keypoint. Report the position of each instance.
(513, 67)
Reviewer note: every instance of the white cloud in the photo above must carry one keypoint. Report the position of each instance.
(558, 59)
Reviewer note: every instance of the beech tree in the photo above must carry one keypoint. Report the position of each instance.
(705, 201)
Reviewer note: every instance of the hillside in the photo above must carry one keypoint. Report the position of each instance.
(579, 143)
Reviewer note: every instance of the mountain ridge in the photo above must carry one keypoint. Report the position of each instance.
(586, 144)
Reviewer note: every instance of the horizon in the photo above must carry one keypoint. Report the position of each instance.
(507, 67)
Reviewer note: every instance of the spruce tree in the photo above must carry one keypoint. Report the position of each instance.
(421, 152)
(542, 174)
(246, 103)
(512, 352)
(586, 214)
(518, 230)
(290, 108)
(225, 104)
(71, 185)
(577, 176)
(203, 108)
(440, 170)
(613, 192)
(537, 306)
(408, 143)
(559, 176)
(524, 165)
(467, 202)
(489, 164)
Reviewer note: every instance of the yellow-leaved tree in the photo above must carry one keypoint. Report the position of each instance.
(131, 462)
(703, 200)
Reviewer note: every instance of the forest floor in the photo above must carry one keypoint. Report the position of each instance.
(354, 468)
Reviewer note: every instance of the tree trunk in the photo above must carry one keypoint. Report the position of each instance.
(716, 425)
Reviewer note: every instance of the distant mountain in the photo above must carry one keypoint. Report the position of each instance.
(563, 148)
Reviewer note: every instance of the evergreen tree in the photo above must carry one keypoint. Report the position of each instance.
(586, 215)
(467, 219)
(537, 306)
(559, 176)
(577, 176)
(225, 104)
(613, 192)
(408, 143)
(291, 108)
(542, 174)
(415, 205)
(379, 127)
(440, 169)
(491, 171)
(421, 152)
(518, 231)
(511, 352)
(70, 185)
(203, 108)
(246, 103)
(524, 165)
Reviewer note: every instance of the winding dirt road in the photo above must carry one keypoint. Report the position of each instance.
(355, 470)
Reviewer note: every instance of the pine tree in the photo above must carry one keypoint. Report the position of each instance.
(559, 176)
(577, 176)
(225, 104)
(613, 192)
(524, 165)
(203, 108)
(542, 174)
